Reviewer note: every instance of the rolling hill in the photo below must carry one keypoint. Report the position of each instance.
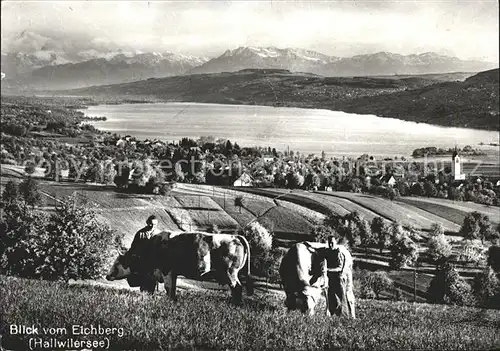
(473, 103)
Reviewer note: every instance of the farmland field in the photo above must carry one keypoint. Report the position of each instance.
(453, 210)
(285, 220)
(199, 216)
(395, 212)
(129, 221)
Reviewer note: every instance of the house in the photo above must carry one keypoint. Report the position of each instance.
(267, 158)
(389, 179)
(244, 180)
(372, 171)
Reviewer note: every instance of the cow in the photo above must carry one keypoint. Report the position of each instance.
(192, 255)
(302, 277)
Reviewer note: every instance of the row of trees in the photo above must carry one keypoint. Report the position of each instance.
(356, 231)
(447, 286)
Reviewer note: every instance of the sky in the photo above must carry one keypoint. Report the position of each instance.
(466, 29)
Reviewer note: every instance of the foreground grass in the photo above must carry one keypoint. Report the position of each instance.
(207, 320)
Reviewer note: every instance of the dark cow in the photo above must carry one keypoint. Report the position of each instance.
(298, 267)
(191, 255)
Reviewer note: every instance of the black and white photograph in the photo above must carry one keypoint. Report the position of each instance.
(250, 175)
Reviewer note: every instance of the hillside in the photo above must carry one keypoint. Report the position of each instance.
(472, 103)
(200, 320)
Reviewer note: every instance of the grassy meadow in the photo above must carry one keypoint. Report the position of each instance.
(207, 320)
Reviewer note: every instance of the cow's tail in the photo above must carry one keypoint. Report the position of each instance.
(249, 282)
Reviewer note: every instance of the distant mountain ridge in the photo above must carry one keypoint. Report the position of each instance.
(295, 60)
(53, 69)
(112, 68)
(298, 60)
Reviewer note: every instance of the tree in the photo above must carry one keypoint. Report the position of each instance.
(322, 232)
(315, 181)
(381, 232)
(486, 288)
(380, 282)
(404, 252)
(239, 201)
(473, 252)
(70, 244)
(366, 235)
(436, 229)
(179, 173)
(448, 286)
(477, 226)
(429, 189)
(10, 193)
(403, 188)
(494, 258)
(29, 168)
(213, 228)
(390, 193)
(258, 237)
(439, 249)
(397, 231)
(417, 189)
(28, 189)
(279, 180)
(373, 284)
(294, 180)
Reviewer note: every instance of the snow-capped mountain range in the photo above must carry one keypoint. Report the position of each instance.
(57, 70)
(298, 60)
(54, 68)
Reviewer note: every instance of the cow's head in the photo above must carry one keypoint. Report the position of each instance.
(304, 301)
(121, 268)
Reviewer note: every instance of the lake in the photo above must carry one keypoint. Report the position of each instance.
(304, 130)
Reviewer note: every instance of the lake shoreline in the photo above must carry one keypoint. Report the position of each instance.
(321, 129)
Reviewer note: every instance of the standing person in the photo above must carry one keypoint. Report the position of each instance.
(140, 249)
(141, 238)
(339, 265)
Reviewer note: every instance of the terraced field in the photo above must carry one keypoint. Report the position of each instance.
(199, 213)
(286, 220)
(394, 211)
(129, 221)
(281, 219)
(454, 211)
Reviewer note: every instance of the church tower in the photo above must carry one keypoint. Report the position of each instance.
(456, 169)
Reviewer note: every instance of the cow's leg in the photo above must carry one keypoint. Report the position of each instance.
(167, 283)
(309, 305)
(236, 287)
(148, 283)
(173, 290)
(290, 302)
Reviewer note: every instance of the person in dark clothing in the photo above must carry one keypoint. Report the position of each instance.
(140, 249)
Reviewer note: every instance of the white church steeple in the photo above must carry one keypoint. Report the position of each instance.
(456, 163)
